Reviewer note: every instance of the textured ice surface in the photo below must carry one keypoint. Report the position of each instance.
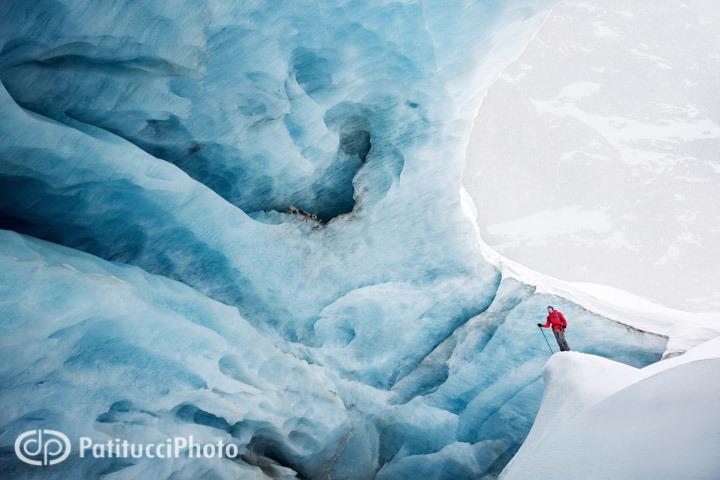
(106, 350)
(366, 337)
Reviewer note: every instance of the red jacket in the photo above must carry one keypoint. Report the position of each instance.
(557, 320)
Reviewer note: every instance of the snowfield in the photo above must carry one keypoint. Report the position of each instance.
(594, 156)
(603, 420)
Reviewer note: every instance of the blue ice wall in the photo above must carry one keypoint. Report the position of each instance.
(105, 350)
(255, 233)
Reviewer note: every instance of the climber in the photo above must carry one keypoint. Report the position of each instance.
(559, 324)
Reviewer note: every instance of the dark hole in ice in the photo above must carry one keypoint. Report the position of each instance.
(192, 414)
(356, 143)
(334, 190)
(264, 450)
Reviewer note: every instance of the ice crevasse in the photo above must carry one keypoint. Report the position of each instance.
(242, 220)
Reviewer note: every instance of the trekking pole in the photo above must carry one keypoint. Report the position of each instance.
(546, 340)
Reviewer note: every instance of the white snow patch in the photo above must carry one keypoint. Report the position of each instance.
(579, 90)
(546, 224)
(600, 419)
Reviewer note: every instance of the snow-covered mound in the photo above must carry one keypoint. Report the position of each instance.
(600, 419)
(252, 231)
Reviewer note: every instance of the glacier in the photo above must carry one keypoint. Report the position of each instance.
(244, 221)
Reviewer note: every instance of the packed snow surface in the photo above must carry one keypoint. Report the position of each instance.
(601, 419)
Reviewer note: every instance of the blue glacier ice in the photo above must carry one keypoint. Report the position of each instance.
(242, 220)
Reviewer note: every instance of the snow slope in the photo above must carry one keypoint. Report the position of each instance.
(600, 419)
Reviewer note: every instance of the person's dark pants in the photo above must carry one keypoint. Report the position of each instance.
(562, 343)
